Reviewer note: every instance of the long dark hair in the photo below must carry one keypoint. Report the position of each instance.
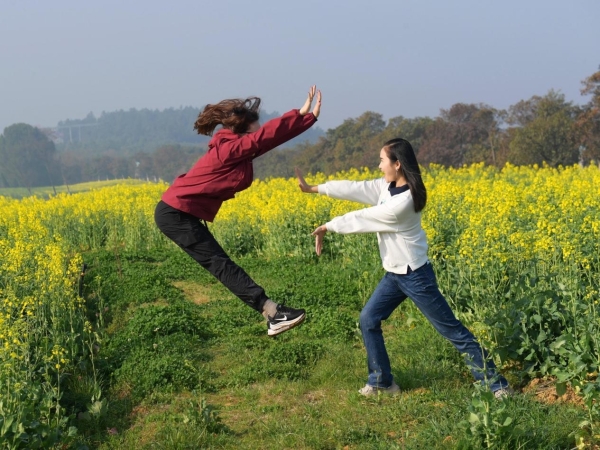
(400, 150)
(235, 114)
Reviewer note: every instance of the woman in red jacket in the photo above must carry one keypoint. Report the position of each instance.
(196, 196)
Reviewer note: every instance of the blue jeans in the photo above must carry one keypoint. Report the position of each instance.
(421, 286)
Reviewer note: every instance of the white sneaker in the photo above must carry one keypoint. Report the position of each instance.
(369, 391)
(503, 393)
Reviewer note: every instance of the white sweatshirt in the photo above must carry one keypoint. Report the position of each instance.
(402, 241)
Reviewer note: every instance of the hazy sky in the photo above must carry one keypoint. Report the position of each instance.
(62, 59)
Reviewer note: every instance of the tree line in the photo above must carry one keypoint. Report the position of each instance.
(541, 130)
(129, 132)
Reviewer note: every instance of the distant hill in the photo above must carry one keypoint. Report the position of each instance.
(144, 130)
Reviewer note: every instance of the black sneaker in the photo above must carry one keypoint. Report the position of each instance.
(284, 319)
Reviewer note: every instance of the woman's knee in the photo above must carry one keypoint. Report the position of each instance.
(368, 320)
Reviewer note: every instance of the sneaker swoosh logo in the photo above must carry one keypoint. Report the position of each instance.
(282, 319)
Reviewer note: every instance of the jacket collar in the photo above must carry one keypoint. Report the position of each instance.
(397, 190)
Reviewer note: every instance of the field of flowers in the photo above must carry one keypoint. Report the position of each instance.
(516, 252)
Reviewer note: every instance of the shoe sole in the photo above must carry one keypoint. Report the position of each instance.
(284, 326)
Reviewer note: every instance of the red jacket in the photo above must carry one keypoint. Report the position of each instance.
(226, 168)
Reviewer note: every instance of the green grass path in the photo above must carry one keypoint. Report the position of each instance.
(187, 365)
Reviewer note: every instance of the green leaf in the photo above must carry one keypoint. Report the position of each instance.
(561, 389)
(541, 337)
(8, 420)
(98, 408)
(584, 424)
(558, 343)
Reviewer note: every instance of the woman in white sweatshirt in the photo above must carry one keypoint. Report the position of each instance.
(397, 200)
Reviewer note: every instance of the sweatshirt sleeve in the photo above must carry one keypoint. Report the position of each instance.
(271, 134)
(366, 192)
(384, 218)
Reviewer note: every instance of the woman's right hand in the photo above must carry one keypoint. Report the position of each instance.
(311, 95)
(304, 186)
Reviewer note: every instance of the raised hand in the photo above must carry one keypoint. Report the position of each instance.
(317, 109)
(309, 99)
(304, 186)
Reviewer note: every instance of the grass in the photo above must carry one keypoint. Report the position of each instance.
(48, 191)
(297, 391)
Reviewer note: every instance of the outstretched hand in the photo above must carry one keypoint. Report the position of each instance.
(311, 95)
(304, 186)
(318, 234)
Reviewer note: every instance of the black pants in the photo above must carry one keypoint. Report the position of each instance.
(197, 241)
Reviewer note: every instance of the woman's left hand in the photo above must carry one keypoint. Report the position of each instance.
(318, 234)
